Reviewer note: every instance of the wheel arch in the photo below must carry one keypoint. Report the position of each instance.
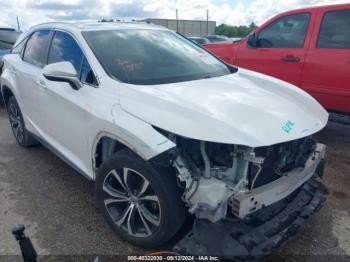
(6, 94)
(105, 145)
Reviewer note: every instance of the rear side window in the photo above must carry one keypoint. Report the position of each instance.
(287, 32)
(65, 48)
(335, 30)
(36, 48)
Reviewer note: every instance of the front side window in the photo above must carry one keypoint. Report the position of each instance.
(65, 48)
(87, 75)
(287, 32)
(152, 56)
(335, 30)
(36, 48)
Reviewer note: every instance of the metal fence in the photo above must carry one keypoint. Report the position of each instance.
(186, 27)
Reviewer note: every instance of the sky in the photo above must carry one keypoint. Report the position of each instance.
(231, 12)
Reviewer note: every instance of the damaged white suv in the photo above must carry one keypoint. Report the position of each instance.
(165, 129)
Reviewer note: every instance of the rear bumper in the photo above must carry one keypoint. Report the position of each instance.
(259, 233)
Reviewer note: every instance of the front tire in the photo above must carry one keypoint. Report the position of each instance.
(142, 205)
(21, 134)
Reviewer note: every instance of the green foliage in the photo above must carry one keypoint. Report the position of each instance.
(235, 31)
(103, 20)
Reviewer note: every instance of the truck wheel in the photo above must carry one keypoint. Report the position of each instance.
(142, 205)
(23, 137)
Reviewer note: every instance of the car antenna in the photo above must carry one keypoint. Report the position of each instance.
(18, 27)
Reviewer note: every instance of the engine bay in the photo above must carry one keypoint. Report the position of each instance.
(221, 180)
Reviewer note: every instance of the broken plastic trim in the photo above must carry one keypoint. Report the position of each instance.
(260, 233)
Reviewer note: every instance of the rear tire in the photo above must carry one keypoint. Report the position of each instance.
(21, 134)
(147, 209)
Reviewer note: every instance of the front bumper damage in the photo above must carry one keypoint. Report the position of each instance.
(260, 232)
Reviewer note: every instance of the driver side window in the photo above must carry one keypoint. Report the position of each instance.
(286, 32)
(65, 48)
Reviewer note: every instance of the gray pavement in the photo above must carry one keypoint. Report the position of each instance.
(57, 205)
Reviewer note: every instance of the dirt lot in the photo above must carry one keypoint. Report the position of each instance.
(57, 205)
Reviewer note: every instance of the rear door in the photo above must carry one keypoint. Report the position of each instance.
(326, 73)
(280, 48)
(27, 72)
(63, 109)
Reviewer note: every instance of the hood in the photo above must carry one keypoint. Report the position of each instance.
(244, 108)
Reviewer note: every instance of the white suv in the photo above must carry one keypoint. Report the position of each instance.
(166, 130)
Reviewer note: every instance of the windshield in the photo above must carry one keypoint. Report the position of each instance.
(150, 57)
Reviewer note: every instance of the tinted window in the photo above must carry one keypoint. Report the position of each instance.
(4, 45)
(335, 30)
(36, 48)
(7, 38)
(216, 38)
(287, 32)
(65, 48)
(152, 56)
(200, 41)
(87, 75)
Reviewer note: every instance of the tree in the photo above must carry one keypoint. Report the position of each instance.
(235, 31)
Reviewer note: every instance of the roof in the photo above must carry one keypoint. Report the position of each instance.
(315, 7)
(92, 26)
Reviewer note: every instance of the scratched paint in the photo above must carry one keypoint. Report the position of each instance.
(162, 143)
(125, 132)
(114, 119)
(304, 131)
(145, 146)
(88, 108)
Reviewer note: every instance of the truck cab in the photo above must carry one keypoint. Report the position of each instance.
(309, 48)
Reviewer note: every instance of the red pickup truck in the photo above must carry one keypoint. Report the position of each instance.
(309, 48)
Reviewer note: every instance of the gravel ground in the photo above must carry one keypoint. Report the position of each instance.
(57, 205)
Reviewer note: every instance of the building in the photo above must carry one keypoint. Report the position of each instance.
(186, 27)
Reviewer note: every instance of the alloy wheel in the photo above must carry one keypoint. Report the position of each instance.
(16, 122)
(131, 202)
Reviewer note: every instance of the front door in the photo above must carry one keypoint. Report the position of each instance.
(280, 48)
(64, 110)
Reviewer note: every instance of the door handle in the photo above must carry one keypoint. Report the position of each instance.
(289, 58)
(41, 83)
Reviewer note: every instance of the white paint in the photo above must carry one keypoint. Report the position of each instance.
(243, 108)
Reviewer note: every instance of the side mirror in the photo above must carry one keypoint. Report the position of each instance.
(252, 40)
(63, 72)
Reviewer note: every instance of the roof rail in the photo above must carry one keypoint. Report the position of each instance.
(55, 22)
